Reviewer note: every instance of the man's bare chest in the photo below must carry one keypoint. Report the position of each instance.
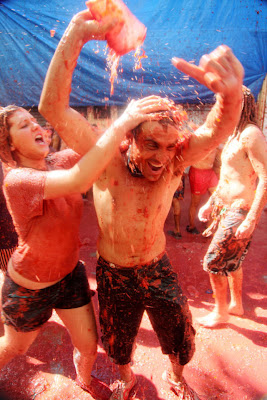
(234, 155)
(124, 194)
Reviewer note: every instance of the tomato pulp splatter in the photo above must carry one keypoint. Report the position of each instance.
(113, 63)
(138, 57)
(127, 35)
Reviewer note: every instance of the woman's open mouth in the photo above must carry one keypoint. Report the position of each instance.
(39, 139)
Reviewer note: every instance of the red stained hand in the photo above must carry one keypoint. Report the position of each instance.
(245, 230)
(205, 212)
(144, 109)
(90, 29)
(220, 70)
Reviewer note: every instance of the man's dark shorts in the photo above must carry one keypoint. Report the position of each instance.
(179, 193)
(125, 293)
(27, 310)
(226, 253)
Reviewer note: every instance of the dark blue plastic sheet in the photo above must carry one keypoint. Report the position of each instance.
(182, 28)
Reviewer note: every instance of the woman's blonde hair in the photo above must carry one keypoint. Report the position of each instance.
(5, 152)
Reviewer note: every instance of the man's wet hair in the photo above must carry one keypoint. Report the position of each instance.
(175, 116)
(249, 110)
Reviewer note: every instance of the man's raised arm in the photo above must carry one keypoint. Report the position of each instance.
(222, 73)
(54, 103)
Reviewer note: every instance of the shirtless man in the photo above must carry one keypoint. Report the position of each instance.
(236, 206)
(202, 178)
(133, 198)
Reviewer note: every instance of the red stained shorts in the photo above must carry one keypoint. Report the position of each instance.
(125, 293)
(226, 253)
(201, 180)
(27, 310)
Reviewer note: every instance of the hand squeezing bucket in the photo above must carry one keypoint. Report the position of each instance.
(130, 32)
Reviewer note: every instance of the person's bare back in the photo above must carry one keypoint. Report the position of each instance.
(206, 162)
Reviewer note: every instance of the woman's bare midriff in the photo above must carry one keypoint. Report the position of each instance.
(24, 282)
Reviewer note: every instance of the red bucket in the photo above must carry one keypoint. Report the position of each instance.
(121, 39)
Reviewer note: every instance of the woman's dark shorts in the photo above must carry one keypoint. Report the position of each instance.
(226, 253)
(27, 310)
(125, 293)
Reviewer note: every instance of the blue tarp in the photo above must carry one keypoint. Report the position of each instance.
(182, 28)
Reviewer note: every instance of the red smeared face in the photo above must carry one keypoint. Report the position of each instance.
(27, 142)
(154, 148)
